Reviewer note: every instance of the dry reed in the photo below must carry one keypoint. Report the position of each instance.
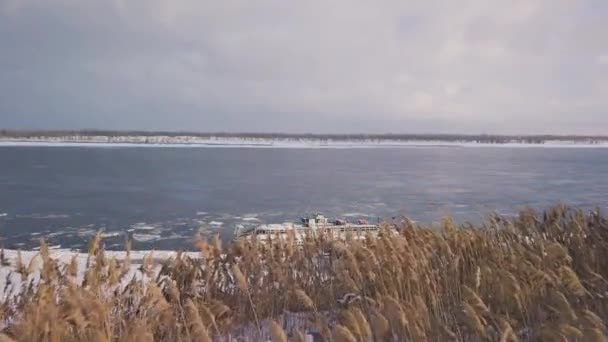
(532, 277)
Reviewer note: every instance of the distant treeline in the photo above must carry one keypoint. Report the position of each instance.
(481, 138)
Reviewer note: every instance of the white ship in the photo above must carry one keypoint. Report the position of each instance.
(317, 224)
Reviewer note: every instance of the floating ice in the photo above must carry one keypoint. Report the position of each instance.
(250, 219)
(143, 226)
(145, 237)
(44, 217)
(86, 232)
(354, 214)
(53, 247)
(111, 234)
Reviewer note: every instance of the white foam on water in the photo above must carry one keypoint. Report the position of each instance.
(3, 214)
(216, 223)
(201, 213)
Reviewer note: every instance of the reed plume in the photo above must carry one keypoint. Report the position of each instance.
(531, 277)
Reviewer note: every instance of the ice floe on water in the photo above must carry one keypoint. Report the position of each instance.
(86, 232)
(143, 226)
(57, 233)
(53, 247)
(250, 218)
(354, 215)
(111, 234)
(146, 237)
(44, 217)
(153, 234)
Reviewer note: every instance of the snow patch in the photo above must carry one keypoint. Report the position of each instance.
(64, 257)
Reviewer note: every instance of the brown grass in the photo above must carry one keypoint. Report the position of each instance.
(535, 277)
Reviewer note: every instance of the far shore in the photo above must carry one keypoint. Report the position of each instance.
(295, 141)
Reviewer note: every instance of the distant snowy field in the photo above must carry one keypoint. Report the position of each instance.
(193, 142)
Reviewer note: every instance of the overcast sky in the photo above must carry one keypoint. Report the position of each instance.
(478, 66)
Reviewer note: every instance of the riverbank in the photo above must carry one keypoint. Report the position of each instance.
(536, 277)
(297, 141)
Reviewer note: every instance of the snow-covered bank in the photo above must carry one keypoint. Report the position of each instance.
(10, 282)
(237, 142)
(66, 255)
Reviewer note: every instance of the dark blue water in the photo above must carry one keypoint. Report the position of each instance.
(162, 197)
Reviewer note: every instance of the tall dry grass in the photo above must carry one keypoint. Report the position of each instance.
(537, 277)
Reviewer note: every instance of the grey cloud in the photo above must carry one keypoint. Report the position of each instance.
(535, 66)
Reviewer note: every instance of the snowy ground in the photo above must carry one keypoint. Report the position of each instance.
(190, 141)
(290, 321)
(64, 257)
